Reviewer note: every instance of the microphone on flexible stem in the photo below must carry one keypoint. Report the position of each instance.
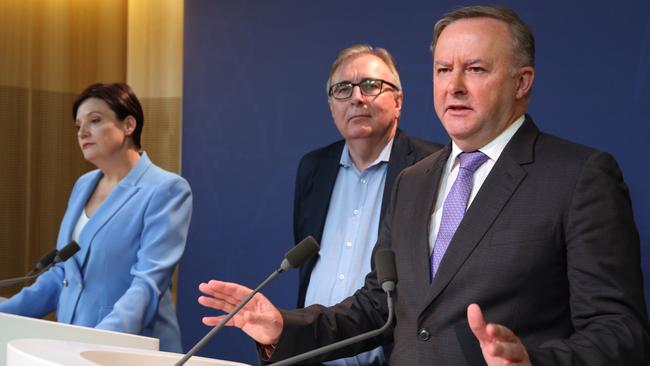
(45, 261)
(48, 260)
(387, 277)
(65, 253)
(294, 258)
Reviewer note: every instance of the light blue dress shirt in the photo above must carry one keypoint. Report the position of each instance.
(349, 235)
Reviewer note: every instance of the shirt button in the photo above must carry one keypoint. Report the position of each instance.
(424, 334)
(348, 244)
(363, 181)
(356, 212)
(341, 276)
(65, 283)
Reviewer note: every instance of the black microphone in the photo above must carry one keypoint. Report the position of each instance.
(45, 263)
(66, 252)
(387, 277)
(294, 258)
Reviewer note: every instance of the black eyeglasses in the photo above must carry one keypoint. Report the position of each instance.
(368, 87)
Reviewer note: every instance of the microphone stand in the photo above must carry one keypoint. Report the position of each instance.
(13, 281)
(225, 320)
(342, 343)
(294, 258)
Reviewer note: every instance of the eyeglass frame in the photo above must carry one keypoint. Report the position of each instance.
(381, 88)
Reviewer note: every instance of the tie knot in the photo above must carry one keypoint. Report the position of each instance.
(472, 160)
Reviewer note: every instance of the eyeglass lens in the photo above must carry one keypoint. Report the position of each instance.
(368, 87)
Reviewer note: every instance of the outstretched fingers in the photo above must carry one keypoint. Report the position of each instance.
(260, 319)
(499, 344)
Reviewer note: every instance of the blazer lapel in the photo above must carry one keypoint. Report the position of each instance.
(317, 204)
(74, 210)
(124, 190)
(401, 156)
(72, 267)
(501, 183)
(323, 185)
(425, 201)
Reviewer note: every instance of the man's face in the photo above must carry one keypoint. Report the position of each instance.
(360, 116)
(477, 90)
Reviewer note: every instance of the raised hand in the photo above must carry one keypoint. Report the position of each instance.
(260, 319)
(500, 346)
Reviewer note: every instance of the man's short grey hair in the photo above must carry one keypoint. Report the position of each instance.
(364, 49)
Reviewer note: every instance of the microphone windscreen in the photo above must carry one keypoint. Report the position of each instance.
(385, 266)
(46, 260)
(67, 252)
(301, 252)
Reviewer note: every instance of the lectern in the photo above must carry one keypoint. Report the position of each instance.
(47, 352)
(16, 327)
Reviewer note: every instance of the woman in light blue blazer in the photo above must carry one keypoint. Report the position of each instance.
(130, 219)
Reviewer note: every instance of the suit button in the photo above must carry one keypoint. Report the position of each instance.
(65, 283)
(424, 334)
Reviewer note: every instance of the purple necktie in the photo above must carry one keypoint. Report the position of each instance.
(455, 204)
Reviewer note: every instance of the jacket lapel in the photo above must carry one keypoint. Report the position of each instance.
(74, 210)
(401, 157)
(506, 175)
(323, 185)
(425, 201)
(124, 190)
(75, 207)
(72, 266)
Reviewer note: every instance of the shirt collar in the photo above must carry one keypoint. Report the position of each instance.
(384, 155)
(494, 148)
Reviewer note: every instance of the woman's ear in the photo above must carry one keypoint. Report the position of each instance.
(129, 125)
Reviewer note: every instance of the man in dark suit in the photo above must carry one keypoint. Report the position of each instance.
(536, 230)
(342, 189)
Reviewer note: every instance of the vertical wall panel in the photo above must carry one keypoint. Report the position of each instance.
(13, 190)
(154, 70)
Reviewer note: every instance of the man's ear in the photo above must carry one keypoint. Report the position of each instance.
(399, 98)
(525, 77)
(329, 104)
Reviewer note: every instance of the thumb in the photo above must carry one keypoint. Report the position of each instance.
(477, 322)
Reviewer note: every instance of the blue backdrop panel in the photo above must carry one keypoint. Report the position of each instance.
(254, 103)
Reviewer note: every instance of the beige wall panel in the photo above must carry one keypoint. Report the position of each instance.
(155, 48)
(13, 191)
(154, 70)
(160, 137)
(15, 43)
(77, 42)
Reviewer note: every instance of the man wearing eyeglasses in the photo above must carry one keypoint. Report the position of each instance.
(342, 189)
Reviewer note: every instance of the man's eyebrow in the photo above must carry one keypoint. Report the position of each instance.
(474, 61)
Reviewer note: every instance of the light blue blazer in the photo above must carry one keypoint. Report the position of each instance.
(120, 279)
